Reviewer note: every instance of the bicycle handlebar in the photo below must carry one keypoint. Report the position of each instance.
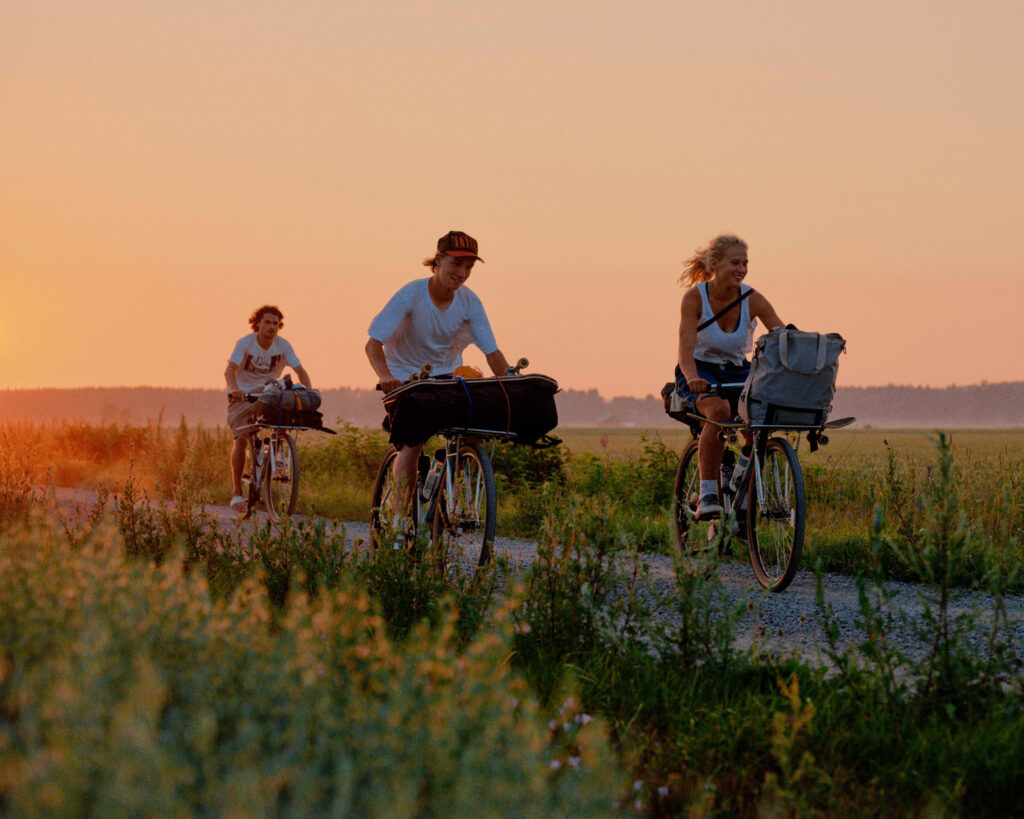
(427, 369)
(714, 389)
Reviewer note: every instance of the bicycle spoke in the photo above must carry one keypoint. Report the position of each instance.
(463, 523)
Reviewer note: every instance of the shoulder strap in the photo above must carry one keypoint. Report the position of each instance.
(724, 310)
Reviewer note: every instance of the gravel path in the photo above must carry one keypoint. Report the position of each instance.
(784, 624)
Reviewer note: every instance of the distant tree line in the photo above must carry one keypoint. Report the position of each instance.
(980, 405)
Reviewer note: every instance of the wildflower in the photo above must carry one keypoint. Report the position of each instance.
(552, 726)
(583, 719)
(663, 790)
(638, 784)
(574, 762)
(556, 764)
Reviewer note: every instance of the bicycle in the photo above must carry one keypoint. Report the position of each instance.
(271, 465)
(455, 498)
(762, 493)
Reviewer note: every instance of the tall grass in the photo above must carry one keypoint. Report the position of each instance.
(846, 482)
(281, 673)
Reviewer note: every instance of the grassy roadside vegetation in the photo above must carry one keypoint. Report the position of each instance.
(859, 472)
(151, 663)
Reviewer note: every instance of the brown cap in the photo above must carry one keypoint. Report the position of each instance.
(457, 243)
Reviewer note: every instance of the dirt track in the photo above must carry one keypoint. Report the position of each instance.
(784, 624)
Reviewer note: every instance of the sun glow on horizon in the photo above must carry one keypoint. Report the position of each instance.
(172, 166)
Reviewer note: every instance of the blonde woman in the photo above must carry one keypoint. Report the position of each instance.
(717, 354)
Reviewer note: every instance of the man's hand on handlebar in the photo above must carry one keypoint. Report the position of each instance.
(236, 395)
(697, 385)
(389, 383)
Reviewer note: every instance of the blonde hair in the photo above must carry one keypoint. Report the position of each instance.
(700, 266)
(434, 260)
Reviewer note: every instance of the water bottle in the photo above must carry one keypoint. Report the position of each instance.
(741, 467)
(432, 476)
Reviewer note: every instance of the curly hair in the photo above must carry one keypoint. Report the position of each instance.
(259, 312)
(700, 266)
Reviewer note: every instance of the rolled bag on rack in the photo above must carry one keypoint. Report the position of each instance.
(792, 379)
(292, 406)
(520, 407)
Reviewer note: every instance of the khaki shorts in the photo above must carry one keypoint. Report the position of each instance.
(240, 414)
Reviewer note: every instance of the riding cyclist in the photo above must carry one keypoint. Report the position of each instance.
(717, 354)
(431, 321)
(257, 358)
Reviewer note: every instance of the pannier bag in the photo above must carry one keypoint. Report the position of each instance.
(522, 406)
(294, 406)
(792, 379)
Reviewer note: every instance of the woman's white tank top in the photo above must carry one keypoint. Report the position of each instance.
(716, 345)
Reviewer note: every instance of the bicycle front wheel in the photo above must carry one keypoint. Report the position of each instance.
(464, 520)
(251, 477)
(281, 484)
(699, 541)
(776, 509)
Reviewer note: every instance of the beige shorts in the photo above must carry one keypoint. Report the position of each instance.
(240, 414)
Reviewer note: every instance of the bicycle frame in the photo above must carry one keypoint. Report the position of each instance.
(454, 440)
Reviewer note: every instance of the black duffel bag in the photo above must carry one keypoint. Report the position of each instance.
(289, 406)
(518, 407)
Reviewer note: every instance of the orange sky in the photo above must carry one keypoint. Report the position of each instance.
(167, 166)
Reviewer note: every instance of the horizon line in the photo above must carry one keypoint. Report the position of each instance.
(982, 383)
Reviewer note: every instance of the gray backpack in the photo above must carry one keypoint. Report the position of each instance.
(792, 379)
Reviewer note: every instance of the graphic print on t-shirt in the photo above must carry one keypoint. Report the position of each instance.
(260, 364)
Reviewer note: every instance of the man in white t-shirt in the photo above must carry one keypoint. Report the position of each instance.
(257, 358)
(431, 321)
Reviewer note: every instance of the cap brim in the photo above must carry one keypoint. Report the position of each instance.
(463, 253)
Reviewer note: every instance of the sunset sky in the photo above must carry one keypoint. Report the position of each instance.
(167, 166)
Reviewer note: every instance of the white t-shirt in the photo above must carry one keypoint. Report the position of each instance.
(414, 331)
(257, 366)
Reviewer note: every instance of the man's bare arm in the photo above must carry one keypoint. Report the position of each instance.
(497, 362)
(375, 352)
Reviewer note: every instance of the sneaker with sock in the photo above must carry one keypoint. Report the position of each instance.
(708, 507)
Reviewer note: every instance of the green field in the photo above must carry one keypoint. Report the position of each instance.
(861, 473)
(152, 663)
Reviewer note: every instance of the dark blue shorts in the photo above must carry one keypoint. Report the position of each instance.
(716, 374)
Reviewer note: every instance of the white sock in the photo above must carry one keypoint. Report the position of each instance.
(708, 488)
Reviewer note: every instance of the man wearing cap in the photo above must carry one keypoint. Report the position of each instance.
(431, 321)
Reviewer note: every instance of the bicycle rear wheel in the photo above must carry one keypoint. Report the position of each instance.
(464, 520)
(699, 541)
(775, 523)
(281, 482)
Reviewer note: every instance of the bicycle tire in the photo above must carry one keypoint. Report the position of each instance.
(281, 478)
(384, 503)
(776, 526)
(699, 541)
(251, 477)
(463, 525)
